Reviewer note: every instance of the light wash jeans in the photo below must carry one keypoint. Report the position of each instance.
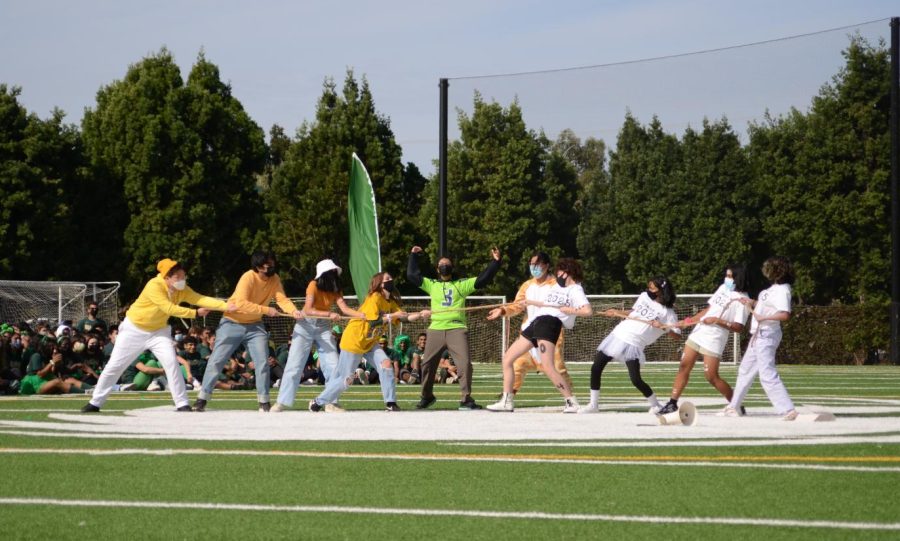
(229, 336)
(306, 332)
(347, 363)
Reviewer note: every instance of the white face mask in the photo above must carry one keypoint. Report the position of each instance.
(180, 284)
(729, 283)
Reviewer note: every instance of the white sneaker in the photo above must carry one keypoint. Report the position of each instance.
(790, 416)
(654, 410)
(362, 376)
(126, 386)
(590, 408)
(277, 384)
(505, 404)
(334, 408)
(277, 408)
(154, 386)
(728, 412)
(196, 383)
(571, 405)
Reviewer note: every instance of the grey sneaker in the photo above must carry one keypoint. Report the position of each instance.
(670, 407)
(200, 405)
(264, 407)
(468, 405)
(90, 408)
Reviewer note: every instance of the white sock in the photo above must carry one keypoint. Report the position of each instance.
(653, 401)
(595, 398)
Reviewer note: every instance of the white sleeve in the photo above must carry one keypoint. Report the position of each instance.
(671, 318)
(782, 301)
(578, 297)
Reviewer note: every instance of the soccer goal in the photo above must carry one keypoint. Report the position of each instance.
(55, 302)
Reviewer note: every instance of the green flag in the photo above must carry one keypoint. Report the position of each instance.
(365, 250)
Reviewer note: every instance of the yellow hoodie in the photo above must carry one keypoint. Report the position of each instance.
(154, 305)
(252, 295)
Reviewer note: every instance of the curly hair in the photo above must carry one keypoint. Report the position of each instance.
(778, 270)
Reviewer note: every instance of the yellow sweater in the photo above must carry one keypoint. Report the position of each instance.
(154, 305)
(252, 295)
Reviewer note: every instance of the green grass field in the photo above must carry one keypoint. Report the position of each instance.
(68, 486)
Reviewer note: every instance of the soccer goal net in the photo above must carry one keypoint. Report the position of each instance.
(55, 302)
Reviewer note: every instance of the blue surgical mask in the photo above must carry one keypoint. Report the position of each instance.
(536, 270)
(729, 283)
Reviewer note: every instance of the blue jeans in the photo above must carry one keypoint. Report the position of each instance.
(307, 331)
(347, 363)
(229, 336)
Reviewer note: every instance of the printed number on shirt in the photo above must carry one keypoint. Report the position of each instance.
(448, 297)
(556, 299)
(644, 311)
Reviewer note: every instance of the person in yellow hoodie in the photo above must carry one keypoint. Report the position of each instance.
(146, 327)
(252, 295)
(533, 289)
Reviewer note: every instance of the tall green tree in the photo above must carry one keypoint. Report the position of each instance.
(823, 179)
(185, 156)
(505, 188)
(40, 163)
(306, 204)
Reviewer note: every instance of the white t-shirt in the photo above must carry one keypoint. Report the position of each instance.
(572, 296)
(640, 334)
(724, 305)
(775, 299)
(535, 292)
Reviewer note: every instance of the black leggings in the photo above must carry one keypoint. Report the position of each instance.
(634, 372)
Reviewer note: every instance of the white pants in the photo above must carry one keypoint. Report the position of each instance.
(760, 359)
(131, 342)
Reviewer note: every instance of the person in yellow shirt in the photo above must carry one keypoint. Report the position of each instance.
(252, 295)
(533, 289)
(360, 341)
(146, 327)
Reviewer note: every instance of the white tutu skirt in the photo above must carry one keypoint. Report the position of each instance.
(621, 351)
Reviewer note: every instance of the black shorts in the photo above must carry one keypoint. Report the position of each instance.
(543, 328)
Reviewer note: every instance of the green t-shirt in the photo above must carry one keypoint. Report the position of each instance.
(446, 295)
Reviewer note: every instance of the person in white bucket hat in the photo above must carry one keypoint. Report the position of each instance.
(322, 294)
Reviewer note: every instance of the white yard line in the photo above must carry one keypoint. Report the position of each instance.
(503, 515)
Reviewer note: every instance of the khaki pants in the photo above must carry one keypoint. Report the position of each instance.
(457, 342)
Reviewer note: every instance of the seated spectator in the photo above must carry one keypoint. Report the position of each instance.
(92, 357)
(110, 342)
(91, 322)
(10, 359)
(190, 356)
(146, 374)
(207, 342)
(402, 361)
(48, 372)
(447, 369)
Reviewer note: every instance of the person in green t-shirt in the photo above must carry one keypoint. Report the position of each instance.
(448, 327)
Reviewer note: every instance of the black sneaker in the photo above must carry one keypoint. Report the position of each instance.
(314, 406)
(200, 405)
(184, 408)
(670, 407)
(426, 402)
(743, 411)
(391, 406)
(90, 408)
(264, 407)
(468, 405)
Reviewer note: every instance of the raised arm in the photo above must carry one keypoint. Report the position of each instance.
(413, 274)
(488, 274)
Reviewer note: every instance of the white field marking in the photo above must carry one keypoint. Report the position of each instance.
(836, 440)
(527, 459)
(505, 515)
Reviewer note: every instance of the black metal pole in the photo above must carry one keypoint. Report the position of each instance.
(895, 184)
(442, 172)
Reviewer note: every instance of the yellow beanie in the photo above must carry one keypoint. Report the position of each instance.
(165, 265)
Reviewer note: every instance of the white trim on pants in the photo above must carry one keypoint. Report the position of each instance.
(131, 342)
(760, 359)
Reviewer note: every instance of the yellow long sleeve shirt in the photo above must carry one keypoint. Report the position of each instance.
(154, 305)
(252, 295)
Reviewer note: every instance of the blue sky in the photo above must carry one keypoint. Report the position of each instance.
(276, 54)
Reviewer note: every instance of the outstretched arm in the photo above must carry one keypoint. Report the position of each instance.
(413, 274)
(488, 274)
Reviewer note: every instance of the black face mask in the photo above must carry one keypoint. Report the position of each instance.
(388, 286)
(445, 270)
(92, 311)
(652, 294)
(270, 272)
(561, 280)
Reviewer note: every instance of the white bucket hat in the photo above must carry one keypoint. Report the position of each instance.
(324, 266)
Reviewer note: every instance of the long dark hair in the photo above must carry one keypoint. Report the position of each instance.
(329, 281)
(666, 295)
(739, 274)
